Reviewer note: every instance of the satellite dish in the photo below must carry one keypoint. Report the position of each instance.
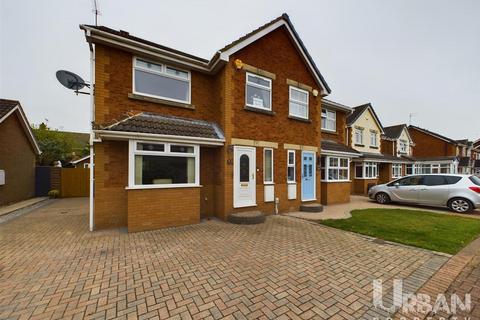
(71, 81)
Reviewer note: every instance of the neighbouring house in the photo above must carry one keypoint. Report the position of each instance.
(18, 151)
(364, 133)
(83, 162)
(178, 137)
(476, 157)
(336, 155)
(433, 153)
(396, 141)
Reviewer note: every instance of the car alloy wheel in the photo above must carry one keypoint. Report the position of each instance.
(460, 205)
(382, 198)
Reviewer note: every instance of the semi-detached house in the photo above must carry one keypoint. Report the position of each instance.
(177, 137)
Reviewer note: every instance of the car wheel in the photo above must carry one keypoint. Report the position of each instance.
(460, 205)
(382, 198)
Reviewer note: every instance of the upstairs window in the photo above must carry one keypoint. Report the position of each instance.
(259, 92)
(373, 139)
(359, 136)
(403, 146)
(329, 120)
(161, 81)
(298, 103)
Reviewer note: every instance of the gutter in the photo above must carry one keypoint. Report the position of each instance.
(123, 135)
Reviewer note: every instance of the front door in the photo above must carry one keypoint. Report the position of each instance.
(308, 176)
(244, 177)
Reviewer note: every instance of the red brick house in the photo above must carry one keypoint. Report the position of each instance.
(18, 154)
(396, 141)
(177, 137)
(336, 153)
(433, 153)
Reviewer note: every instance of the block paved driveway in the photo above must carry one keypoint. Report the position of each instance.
(51, 266)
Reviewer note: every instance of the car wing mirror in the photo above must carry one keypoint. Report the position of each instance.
(396, 184)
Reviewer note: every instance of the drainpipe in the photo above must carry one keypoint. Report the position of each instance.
(92, 136)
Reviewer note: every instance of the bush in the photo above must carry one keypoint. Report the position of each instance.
(53, 193)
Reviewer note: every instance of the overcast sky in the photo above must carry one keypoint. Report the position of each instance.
(404, 56)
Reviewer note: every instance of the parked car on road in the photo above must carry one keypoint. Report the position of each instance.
(459, 192)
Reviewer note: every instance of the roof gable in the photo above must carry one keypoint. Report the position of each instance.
(433, 134)
(124, 39)
(359, 111)
(10, 107)
(395, 132)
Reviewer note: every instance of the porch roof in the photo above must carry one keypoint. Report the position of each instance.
(329, 146)
(380, 157)
(153, 125)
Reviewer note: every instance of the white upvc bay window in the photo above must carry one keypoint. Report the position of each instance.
(163, 165)
(158, 80)
(366, 170)
(329, 120)
(298, 103)
(396, 170)
(258, 92)
(335, 169)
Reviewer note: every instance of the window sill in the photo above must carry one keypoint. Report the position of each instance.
(161, 101)
(299, 119)
(167, 186)
(359, 145)
(258, 110)
(373, 147)
(366, 178)
(336, 181)
(330, 131)
(291, 182)
(269, 183)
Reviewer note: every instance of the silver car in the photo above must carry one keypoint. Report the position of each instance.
(459, 192)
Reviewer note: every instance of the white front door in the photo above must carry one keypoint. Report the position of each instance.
(244, 187)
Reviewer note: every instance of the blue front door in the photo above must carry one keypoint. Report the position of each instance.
(308, 176)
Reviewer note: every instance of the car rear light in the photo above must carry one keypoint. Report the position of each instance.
(475, 189)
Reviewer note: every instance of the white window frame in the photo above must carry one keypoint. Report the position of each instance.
(374, 138)
(358, 132)
(365, 165)
(327, 167)
(132, 152)
(396, 170)
(291, 165)
(403, 146)
(327, 118)
(258, 86)
(264, 151)
(298, 102)
(162, 73)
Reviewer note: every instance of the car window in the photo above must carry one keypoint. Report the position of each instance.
(408, 181)
(475, 180)
(433, 180)
(452, 179)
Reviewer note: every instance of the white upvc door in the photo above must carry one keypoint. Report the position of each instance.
(244, 185)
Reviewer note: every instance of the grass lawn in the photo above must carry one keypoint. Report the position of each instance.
(433, 231)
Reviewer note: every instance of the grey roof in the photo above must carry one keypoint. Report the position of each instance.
(357, 112)
(199, 60)
(6, 106)
(463, 141)
(335, 105)
(154, 123)
(329, 145)
(432, 158)
(394, 132)
(381, 156)
(464, 162)
(434, 134)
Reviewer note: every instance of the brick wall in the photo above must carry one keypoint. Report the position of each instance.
(151, 209)
(388, 147)
(335, 192)
(17, 158)
(385, 172)
(429, 146)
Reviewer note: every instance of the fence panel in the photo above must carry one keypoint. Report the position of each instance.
(75, 182)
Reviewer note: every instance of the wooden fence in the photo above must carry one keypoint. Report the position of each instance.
(75, 182)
